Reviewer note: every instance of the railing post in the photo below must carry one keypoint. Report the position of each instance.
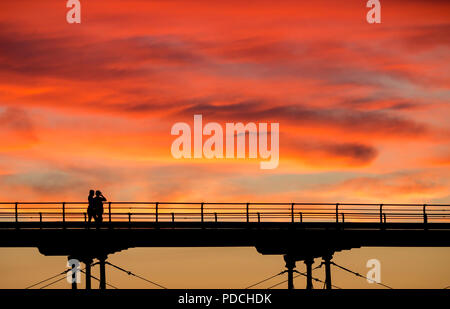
(425, 217)
(173, 217)
(343, 220)
(109, 210)
(381, 213)
(215, 217)
(259, 217)
(337, 212)
(292, 212)
(248, 217)
(156, 212)
(40, 220)
(301, 217)
(201, 209)
(384, 218)
(64, 212)
(129, 217)
(16, 212)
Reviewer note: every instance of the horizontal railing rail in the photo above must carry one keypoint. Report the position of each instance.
(227, 212)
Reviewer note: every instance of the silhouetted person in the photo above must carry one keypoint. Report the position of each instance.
(91, 209)
(98, 206)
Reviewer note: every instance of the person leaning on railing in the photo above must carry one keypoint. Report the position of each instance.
(98, 206)
(90, 209)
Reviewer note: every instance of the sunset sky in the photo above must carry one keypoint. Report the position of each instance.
(363, 108)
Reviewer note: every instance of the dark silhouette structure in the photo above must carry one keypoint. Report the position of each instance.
(298, 231)
(91, 209)
(98, 206)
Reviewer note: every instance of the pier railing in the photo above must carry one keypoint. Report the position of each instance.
(226, 212)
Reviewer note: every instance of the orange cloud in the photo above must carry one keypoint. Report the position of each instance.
(102, 95)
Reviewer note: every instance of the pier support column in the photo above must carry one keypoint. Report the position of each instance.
(309, 284)
(88, 273)
(327, 259)
(290, 265)
(102, 272)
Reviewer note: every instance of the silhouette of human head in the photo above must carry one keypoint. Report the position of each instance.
(98, 193)
(91, 193)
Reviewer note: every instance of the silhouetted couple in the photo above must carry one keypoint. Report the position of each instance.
(95, 208)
